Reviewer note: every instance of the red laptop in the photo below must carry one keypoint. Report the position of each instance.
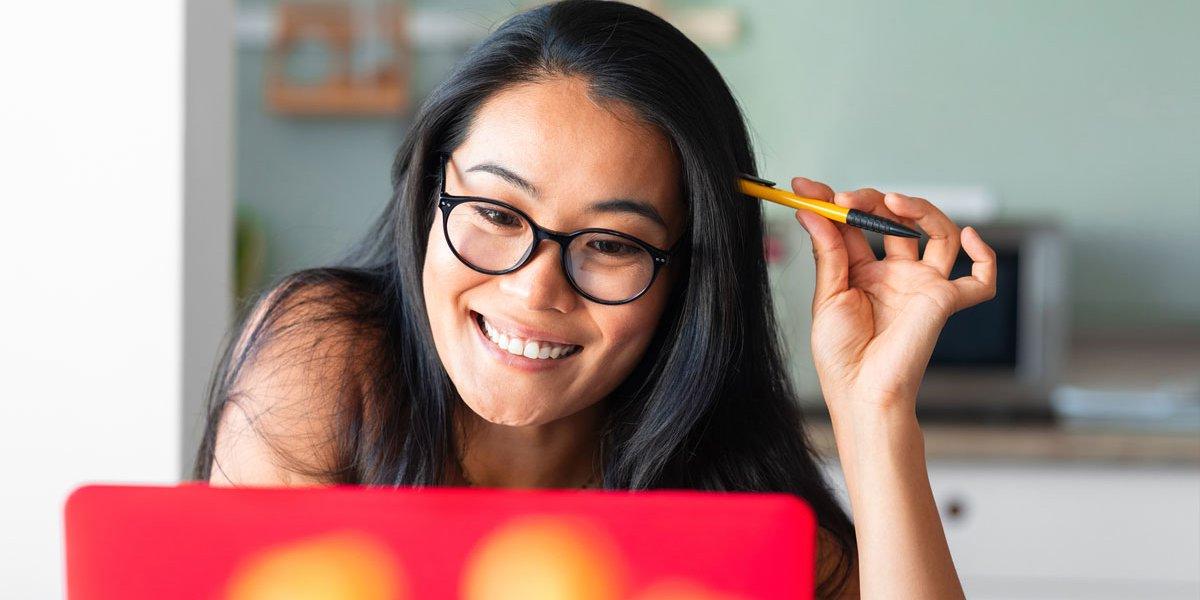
(193, 541)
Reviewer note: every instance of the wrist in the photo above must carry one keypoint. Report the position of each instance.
(854, 407)
(875, 429)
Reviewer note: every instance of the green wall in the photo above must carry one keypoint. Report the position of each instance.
(1087, 112)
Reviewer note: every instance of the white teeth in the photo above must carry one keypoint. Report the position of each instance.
(526, 348)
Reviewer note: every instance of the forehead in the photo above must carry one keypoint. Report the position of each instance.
(571, 146)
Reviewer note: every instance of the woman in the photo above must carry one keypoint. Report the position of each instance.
(566, 290)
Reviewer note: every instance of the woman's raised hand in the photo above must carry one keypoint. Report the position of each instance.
(875, 322)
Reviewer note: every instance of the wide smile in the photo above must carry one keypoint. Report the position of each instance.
(521, 353)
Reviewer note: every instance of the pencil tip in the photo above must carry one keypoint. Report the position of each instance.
(902, 231)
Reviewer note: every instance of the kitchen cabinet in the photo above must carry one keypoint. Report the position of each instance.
(1069, 530)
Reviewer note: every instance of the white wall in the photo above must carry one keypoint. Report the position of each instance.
(208, 212)
(91, 142)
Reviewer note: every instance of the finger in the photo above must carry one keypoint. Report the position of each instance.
(856, 239)
(871, 200)
(942, 248)
(858, 250)
(980, 285)
(808, 188)
(829, 253)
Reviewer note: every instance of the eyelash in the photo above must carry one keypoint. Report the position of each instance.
(484, 212)
(625, 247)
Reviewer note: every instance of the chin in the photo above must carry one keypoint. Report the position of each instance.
(498, 412)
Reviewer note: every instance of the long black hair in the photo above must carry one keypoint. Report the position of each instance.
(708, 407)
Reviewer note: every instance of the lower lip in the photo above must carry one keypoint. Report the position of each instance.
(516, 361)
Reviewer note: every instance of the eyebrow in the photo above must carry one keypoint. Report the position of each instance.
(611, 205)
(506, 175)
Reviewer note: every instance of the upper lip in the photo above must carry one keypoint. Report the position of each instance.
(508, 326)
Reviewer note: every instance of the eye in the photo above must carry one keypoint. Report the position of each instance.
(498, 217)
(614, 248)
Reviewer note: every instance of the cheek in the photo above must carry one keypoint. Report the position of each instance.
(628, 331)
(444, 280)
(433, 284)
(439, 274)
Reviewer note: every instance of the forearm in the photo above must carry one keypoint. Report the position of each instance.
(901, 545)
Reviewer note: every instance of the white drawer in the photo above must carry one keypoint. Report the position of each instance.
(1064, 530)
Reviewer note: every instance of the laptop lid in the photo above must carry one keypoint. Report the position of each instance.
(196, 541)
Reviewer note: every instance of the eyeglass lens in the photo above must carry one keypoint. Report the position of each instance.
(492, 238)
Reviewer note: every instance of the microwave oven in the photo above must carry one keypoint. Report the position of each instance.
(1006, 355)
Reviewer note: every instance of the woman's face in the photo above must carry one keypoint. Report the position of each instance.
(569, 153)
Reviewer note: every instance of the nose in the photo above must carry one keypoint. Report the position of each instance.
(541, 283)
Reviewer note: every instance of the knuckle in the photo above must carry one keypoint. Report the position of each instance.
(842, 302)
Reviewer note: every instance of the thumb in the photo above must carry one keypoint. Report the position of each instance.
(829, 253)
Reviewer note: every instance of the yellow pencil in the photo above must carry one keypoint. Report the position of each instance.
(761, 188)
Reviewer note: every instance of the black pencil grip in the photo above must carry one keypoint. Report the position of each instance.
(870, 222)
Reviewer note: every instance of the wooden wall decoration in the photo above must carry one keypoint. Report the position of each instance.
(381, 91)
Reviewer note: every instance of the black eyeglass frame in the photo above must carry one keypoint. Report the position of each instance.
(447, 202)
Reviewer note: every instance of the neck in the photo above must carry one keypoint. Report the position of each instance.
(559, 454)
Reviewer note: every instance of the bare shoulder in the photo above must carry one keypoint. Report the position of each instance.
(297, 373)
(833, 566)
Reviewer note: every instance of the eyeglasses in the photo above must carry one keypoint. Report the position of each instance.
(602, 265)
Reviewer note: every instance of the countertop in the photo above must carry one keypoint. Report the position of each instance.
(1042, 443)
(1115, 360)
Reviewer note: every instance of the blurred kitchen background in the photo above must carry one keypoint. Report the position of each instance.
(1062, 419)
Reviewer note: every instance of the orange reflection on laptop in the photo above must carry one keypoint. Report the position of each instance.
(561, 558)
(336, 566)
(544, 557)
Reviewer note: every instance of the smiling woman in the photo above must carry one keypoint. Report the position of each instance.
(566, 289)
(454, 347)
(569, 151)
